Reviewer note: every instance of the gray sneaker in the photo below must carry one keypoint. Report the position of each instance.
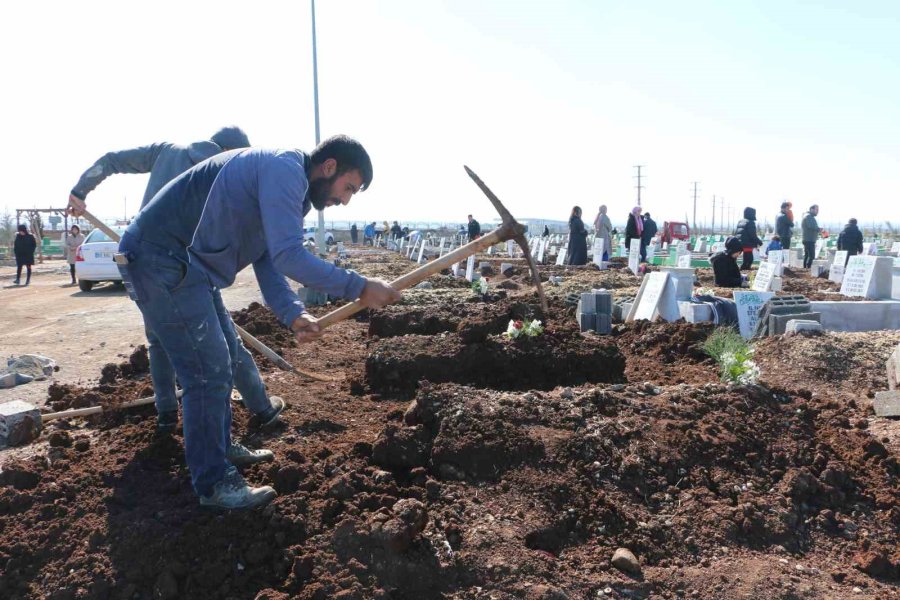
(234, 493)
(241, 456)
(270, 415)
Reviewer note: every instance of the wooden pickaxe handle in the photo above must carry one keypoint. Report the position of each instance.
(93, 410)
(424, 272)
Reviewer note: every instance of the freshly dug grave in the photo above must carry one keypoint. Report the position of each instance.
(431, 319)
(794, 282)
(666, 353)
(562, 357)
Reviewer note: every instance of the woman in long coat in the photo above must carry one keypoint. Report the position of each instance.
(24, 248)
(74, 238)
(577, 252)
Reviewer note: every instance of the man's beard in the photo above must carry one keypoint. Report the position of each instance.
(318, 192)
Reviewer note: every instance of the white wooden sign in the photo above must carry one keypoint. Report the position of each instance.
(634, 255)
(470, 268)
(598, 251)
(858, 276)
(748, 305)
(561, 257)
(836, 272)
(764, 275)
(840, 258)
(656, 297)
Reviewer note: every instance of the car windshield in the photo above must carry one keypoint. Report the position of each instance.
(98, 235)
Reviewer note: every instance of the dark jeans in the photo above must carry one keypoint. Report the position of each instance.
(748, 261)
(643, 251)
(809, 253)
(182, 307)
(72, 271)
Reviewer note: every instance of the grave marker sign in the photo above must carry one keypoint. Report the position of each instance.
(748, 305)
(470, 268)
(634, 255)
(598, 252)
(764, 275)
(858, 276)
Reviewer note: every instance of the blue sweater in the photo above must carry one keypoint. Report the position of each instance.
(245, 207)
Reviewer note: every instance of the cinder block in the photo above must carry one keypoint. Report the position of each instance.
(587, 321)
(587, 303)
(603, 324)
(20, 423)
(778, 323)
(796, 325)
(603, 302)
(887, 404)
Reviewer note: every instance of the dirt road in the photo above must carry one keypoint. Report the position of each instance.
(81, 331)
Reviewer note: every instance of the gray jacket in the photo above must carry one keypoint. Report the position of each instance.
(603, 229)
(71, 245)
(810, 228)
(164, 161)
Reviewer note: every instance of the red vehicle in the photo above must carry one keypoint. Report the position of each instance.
(672, 230)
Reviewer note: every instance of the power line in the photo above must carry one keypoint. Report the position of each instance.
(695, 204)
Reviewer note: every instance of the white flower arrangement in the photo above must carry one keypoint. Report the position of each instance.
(738, 368)
(518, 328)
(480, 286)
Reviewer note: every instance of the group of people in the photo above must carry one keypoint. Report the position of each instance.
(745, 240)
(640, 227)
(226, 206)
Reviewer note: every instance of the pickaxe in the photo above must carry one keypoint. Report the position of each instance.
(245, 335)
(509, 229)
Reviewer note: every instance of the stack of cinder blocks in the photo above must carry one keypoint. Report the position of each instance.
(775, 314)
(594, 311)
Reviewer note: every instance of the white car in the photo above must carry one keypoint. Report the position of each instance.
(309, 234)
(94, 260)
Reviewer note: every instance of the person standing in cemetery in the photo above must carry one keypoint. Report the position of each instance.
(725, 266)
(354, 234)
(396, 231)
(774, 245)
(23, 249)
(810, 231)
(634, 229)
(647, 235)
(851, 239)
(165, 161)
(546, 233)
(577, 251)
(369, 234)
(745, 232)
(474, 229)
(603, 230)
(251, 203)
(74, 238)
(385, 230)
(784, 225)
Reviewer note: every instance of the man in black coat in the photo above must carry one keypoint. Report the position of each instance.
(724, 264)
(24, 248)
(851, 239)
(746, 234)
(647, 235)
(474, 229)
(784, 225)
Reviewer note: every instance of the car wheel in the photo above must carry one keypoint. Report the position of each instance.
(84, 285)
(329, 241)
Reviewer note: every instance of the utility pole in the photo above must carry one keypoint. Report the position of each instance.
(695, 205)
(712, 226)
(320, 230)
(722, 211)
(639, 186)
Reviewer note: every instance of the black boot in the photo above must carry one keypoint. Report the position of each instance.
(28, 278)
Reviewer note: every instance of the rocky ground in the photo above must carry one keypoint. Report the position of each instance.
(449, 462)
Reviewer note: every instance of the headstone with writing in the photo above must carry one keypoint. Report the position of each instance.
(836, 272)
(748, 304)
(634, 255)
(777, 261)
(470, 268)
(684, 261)
(869, 277)
(598, 252)
(764, 276)
(656, 297)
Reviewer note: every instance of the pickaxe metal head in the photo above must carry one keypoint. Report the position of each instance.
(517, 231)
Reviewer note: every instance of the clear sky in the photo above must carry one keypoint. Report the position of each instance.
(552, 103)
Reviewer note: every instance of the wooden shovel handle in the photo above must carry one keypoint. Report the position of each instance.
(422, 273)
(93, 410)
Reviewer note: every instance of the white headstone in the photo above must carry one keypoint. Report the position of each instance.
(748, 304)
(634, 255)
(895, 248)
(764, 276)
(561, 257)
(684, 261)
(858, 276)
(655, 297)
(872, 249)
(540, 253)
(421, 253)
(441, 249)
(510, 248)
(598, 251)
(820, 244)
(470, 268)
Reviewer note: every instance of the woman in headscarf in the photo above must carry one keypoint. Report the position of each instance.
(577, 252)
(603, 230)
(74, 238)
(635, 227)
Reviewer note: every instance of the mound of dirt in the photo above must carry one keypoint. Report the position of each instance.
(668, 353)
(260, 322)
(558, 357)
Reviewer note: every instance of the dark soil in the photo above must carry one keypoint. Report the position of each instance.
(493, 490)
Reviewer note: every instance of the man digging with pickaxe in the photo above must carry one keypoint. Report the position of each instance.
(238, 208)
